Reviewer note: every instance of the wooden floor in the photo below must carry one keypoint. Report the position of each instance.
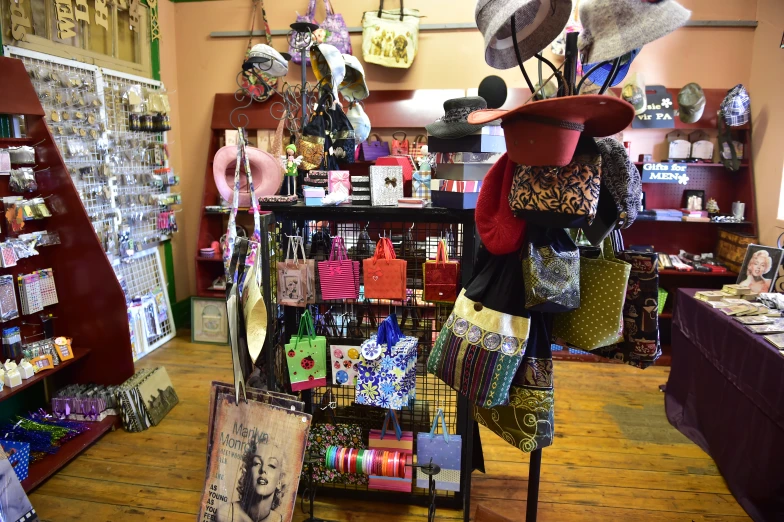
(615, 458)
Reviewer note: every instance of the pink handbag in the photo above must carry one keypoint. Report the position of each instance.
(339, 276)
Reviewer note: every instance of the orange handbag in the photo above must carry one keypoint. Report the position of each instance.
(385, 275)
(399, 147)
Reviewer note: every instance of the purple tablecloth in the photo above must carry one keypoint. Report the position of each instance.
(726, 393)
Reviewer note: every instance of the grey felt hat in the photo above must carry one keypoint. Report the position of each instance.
(612, 28)
(691, 103)
(454, 123)
(537, 24)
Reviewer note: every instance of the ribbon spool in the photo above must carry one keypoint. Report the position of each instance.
(381, 463)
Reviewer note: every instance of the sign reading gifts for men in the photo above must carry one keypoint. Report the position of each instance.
(659, 113)
(665, 173)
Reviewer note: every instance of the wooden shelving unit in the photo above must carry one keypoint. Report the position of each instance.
(91, 307)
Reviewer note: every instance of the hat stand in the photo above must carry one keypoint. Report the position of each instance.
(566, 87)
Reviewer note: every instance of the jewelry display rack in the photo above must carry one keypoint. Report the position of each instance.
(91, 304)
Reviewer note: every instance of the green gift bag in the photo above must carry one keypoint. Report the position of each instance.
(598, 321)
(306, 355)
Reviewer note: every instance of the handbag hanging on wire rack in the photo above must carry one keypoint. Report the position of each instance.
(339, 276)
(442, 277)
(385, 275)
(390, 37)
(256, 84)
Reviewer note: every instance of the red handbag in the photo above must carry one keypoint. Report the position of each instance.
(442, 277)
(405, 161)
(385, 275)
(399, 147)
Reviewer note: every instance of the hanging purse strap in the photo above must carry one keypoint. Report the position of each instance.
(394, 134)
(444, 431)
(381, 8)
(311, 10)
(338, 251)
(254, 200)
(441, 257)
(384, 250)
(328, 8)
(391, 415)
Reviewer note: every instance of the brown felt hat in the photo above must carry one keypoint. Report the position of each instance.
(545, 133)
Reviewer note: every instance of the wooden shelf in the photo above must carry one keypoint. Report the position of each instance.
(216, 259)
(689, 164)
(40, 376)
(665, 315)
(673, 272)
(46, 467)
(211, 293)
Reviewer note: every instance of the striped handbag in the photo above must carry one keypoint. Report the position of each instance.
(339, 276)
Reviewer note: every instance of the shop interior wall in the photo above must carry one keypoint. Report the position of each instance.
(712, 57)
(767, 111)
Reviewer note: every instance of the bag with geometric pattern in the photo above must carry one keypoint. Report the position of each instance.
(551, 270)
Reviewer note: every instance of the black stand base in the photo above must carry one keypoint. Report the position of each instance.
(532, 503)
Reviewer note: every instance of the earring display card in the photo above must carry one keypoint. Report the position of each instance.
(48, 290)
(8, 307)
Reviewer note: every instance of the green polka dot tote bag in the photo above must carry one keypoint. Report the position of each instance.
(598, 322)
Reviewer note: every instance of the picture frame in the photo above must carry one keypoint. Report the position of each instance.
(63, 347)
(43, 362)
(760, 268)
(698, 193)
(209, 320)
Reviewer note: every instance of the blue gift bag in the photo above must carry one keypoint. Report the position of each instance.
(442, 449)
(18, 455)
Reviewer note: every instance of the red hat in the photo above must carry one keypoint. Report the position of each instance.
(500, 231)
(545, 133)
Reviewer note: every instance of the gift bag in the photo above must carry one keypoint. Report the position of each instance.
(390, 38)
(385, 275)
(415, 148)
(386, 375)
(18, 454)
(598, 321)
(442, 277)
(442, 450)
(401, 441)
(372, 150)
(339, 276)
(399, 147)
(296, 276)
(420, 186)
(306, 356)
(345, 361)
(332, 433)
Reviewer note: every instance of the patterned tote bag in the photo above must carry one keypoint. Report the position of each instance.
(481, 345)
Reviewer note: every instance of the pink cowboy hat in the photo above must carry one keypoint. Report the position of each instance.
(266, 172)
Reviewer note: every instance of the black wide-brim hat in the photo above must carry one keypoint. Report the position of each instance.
(454, 124)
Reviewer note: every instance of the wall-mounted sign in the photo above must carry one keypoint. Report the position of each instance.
(659, 113)
(69, 12)
(665, 173)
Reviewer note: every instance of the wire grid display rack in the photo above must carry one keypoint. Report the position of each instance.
(139, 154)
(348, 322)
(65, 103)
(101, 196)
(143, 275)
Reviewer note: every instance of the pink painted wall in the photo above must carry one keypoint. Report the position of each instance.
(203, 66)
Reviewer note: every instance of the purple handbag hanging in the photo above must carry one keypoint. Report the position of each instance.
(332, 31)
(372, 150)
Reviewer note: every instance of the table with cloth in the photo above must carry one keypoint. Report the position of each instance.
(726, 393)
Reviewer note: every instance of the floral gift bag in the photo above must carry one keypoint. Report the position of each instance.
(386, 376)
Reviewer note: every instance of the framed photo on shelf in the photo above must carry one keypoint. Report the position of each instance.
(209, 321)
(695, 199)
(760, 267)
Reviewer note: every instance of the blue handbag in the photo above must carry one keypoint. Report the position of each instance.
(445, 451)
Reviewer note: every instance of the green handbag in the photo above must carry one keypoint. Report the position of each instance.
(599, 320)
(306, 355)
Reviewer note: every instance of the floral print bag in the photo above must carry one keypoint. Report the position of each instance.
(386, 374)
(333, 434)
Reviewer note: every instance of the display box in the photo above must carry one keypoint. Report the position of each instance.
(459, 200)
(472, 143)
(313, 202)
(463, 171)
